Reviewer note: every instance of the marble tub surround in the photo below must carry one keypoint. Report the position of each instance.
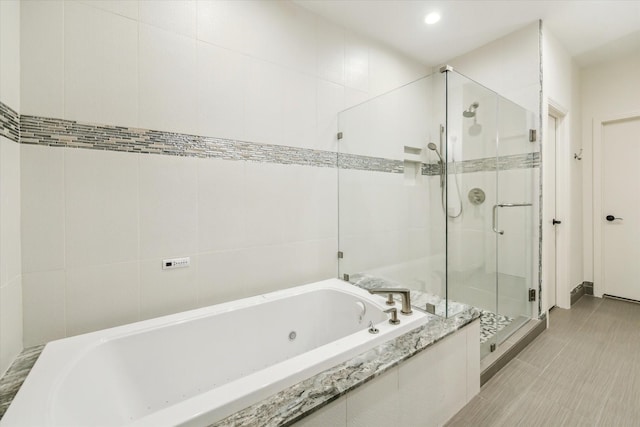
(490, 322)
(296, 402)
(12, 380)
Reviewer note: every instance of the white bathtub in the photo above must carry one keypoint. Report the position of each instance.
(197, 367)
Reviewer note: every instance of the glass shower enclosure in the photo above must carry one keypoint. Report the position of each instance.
(438, 193)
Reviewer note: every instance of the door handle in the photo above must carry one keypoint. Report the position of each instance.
(495, 210)
(612, 218)
(555, 222)
(505, 205)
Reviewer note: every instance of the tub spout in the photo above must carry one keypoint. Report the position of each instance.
(403, 292)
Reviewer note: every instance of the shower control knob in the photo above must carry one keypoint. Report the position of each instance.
(611, 218)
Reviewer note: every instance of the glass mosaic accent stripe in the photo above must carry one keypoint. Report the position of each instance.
(9, 123)
(69, 133)
(72, 134)
(488, 164)
(378, 164)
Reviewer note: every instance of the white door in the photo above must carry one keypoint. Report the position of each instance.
(550, 215)
(621, 204)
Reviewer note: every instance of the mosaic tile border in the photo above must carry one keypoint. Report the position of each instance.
(487, 164)
(70, 133)
(9, 123)
(54, 132)
(378, 164)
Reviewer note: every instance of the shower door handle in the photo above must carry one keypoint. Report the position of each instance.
(505, 205)
(495, 211)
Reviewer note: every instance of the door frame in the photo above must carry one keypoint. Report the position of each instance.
(599, 287)
(563, 156)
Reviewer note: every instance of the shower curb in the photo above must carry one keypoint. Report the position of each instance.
(512, 351)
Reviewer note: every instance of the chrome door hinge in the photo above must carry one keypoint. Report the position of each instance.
(532, 294)
(345, 277)
(533, 135)
(340, 135)
(340, 254)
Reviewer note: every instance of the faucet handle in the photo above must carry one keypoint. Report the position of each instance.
(394, 315)
(390, 300)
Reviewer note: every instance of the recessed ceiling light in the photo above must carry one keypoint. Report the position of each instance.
(432, 18)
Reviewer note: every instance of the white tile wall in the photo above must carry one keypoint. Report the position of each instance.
(222, 23)
(10, 53)
(101, 207)
(43, 296)
(101, 296)
(221, 277)
(10, 322)
(331, 52)
(168, 210)
(42, 93)
(263, 102)
(100, 66)
(166, 291)
(334, 414)
(10, 252)
(299, 109)
(178, 16)
(376, 403)
(167, 80)
(258, 71)
(221, 80)
(356, 67)
(221, 192)
(127, 8)
(42, 190)
(10, 262)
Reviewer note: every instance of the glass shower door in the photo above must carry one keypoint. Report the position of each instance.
(471, 194)
(515, 217)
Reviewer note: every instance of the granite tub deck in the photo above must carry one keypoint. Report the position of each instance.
(490, 323)
(296, 402)
(11, 382)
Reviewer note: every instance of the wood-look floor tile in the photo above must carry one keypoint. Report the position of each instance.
(542, 351)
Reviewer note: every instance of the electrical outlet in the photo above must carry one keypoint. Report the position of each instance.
(168, 264)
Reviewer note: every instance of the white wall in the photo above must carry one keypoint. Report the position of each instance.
(509, 66)
(10, 260)
(607, 89)
(561, 90)
(267, 72)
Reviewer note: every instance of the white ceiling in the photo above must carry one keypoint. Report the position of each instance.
(585, 27)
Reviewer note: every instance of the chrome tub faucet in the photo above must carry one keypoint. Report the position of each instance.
(403, 292)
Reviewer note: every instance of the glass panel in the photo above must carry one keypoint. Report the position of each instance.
(517, 188)
(470, 200)
(389, 232)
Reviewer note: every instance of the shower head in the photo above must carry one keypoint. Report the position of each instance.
(431, 146)
(471, 111)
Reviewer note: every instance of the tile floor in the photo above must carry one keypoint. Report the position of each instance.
(582, 371)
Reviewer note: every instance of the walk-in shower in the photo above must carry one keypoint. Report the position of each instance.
(426, 173)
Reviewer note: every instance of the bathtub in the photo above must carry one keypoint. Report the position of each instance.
(197, 367)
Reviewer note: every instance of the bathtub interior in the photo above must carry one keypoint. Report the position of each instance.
(125, 378)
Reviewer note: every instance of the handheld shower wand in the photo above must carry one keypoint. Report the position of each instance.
(433, 147)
